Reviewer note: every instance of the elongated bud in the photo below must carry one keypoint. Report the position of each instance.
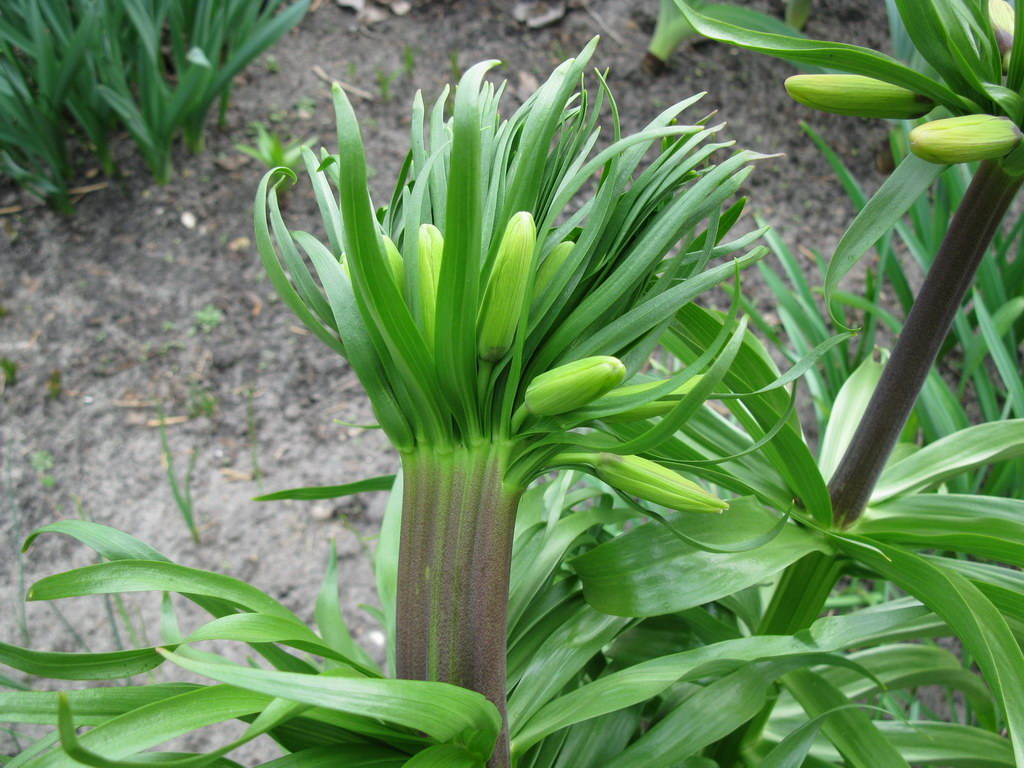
(431, 248)
(658, 407)
(797, 12)
(573, 385)
(857, 95)
(506, 288)
(551, 265)
(648, 480)
(964, 139)
(395, 263)
(1000, 14)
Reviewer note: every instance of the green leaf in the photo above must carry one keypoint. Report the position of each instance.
(442, 711)
(144, 575)
(445, 756)
(91, 705)
(643, 681)
(255, 628)
(109, 543)
(340, 756)
(272, 264)
(906, 184)
(648, 571)
(385, 313)
(847, 412)
(712, 713)
(151, 724)
(969, 614)
(983, 526)
(331, 622)
(562, 656)
(80, 666)
(851, 730)
(956, 453)
(382, 483)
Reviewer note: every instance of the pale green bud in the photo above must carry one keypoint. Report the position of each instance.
(395, 263)
(431, 248)
(573, 385)
(506, 288)
(964, 139)
(551, 264)
(652, 482)
(857, 95)
(1000, 14)
(658, 407)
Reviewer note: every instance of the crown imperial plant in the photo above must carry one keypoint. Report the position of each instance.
(466, 349)
(857, 95)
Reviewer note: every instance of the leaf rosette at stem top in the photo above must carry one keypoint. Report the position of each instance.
(511, 251)
(434, 299)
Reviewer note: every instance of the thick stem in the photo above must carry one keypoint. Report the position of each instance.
(453, 572)
(975, 223)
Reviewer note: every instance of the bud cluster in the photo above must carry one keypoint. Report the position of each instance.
(962, 139)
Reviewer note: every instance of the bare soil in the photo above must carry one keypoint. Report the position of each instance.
(151, 298)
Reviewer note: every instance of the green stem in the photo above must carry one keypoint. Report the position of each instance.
(801, 594)
(951, 274)
(458, 517)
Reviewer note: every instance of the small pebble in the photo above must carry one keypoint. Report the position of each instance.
(188, 220)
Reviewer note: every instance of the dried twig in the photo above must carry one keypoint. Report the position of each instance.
(352, 89)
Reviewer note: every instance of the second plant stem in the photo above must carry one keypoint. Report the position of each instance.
(951, 274)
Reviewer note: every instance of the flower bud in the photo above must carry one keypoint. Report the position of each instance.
(658, 407)
(573, 385)
(652, 482)
(1000, 14)
(395, 263)
(857, 95)
(506, 288)
(551, 264)
(431, 248)
(964, 139)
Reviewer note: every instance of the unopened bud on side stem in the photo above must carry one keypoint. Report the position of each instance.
(551, 265)
(964, 139)
(573, 385)
(857, 95)
(506, 288)
(431, 248)
(1001, 15)
(650, 481)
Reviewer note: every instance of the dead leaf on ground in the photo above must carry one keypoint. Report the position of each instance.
(538, 13)
(234, 476)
